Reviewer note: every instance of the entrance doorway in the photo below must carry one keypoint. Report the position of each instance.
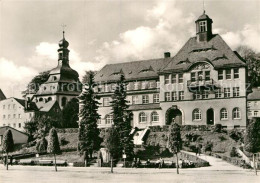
(173, 113)
(210, 117)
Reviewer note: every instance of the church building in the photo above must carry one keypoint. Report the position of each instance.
(203, 84)
(63, 82)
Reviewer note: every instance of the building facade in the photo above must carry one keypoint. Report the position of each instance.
(13, 113)
(253, 103)
(203, 84)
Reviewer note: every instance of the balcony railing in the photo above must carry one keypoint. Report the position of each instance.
(195, 85)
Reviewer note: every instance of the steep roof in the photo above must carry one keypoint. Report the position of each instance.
(4, 128)
(46, 107)
(2, 95)
(255, 95)
(131, 70)
(20, 101)
(215, 51)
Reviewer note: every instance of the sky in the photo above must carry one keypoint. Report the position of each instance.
(109, 31)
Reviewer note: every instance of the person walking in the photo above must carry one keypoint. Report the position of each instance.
(161, 163)
(85, 157)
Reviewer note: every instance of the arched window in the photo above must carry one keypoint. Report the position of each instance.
(142, 117)
(236, 113)
(63, 101)
(109, 119)
(223, 114)
(196, 114)
(41, 99)
(155, 117)
(49, 98)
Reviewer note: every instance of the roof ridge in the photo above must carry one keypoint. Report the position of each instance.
(154, 59)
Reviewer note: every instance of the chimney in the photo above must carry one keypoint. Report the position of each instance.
(167, 54)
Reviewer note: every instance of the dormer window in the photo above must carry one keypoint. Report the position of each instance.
(202, 26)
(116, 73)
(145, 70)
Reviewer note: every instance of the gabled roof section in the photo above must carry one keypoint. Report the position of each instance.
(215, 51)
(2, 95)
(20, 101)
(46, 107)
(4, 128)
(255, 95)
(135, 70)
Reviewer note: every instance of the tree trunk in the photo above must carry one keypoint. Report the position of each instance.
(55, 162)
(111, 164)
(177, 163)
(6, 161)
(255, 168)
(86, 162)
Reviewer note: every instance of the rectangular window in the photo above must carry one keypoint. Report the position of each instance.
(9, 116)
(197, 96)
(157, 84)
(255, 113)
(156, 98)
(200, 75)
(135, 99)
(145, 99)
(180, 78)
(152, 84)
(14, 125)
(174, 96)
(136, 85)
(99, 121)
(19, 125)
(228, 74)
(3, 106)
(181, 95)
(8, 106)
(167, 96)
(236, 73)
(235, 91)
(220, 74)
(13, 106)
(226, 92)
(106, 101)
(167, 79)
(193, 76)
(174, 80)
(3, 116)
(202, 26)
(205, 95)
(145, 84)
(14, 116)
(218, 93)
(207, 75)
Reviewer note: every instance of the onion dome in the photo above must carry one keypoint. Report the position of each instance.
(63, 43)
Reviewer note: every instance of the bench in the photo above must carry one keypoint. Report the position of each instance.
(45, 162)
(25, 162)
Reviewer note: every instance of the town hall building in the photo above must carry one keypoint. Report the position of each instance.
(203, 84)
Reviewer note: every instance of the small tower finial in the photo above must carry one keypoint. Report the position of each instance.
(204, 7)
(63, 28)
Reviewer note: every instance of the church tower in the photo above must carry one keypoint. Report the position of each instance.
(63, 82)
(204, 28)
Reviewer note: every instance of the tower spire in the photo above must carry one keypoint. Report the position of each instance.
(204, 7)
(63, 30)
